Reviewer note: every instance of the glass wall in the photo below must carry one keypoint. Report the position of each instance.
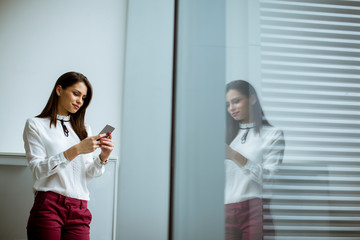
(198, 121)
(302, 57)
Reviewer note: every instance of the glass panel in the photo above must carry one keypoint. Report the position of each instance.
(197, 203)
(292, 170)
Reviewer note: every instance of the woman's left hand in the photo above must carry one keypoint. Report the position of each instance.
(106, 145)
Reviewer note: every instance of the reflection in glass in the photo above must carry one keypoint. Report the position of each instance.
(253, 147)
(303, 58)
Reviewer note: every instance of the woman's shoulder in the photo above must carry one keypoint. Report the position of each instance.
(37, 120)
(271, 131)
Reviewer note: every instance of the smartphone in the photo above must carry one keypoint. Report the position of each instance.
(107, 129)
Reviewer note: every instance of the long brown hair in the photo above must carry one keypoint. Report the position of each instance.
(232, 125)
(77, 119)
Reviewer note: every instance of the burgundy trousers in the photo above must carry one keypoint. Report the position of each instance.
(244, 220)
(56, 217)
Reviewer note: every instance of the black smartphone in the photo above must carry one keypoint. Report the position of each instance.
(107, 129)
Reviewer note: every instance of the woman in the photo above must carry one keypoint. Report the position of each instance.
(59, 149)
(253, 148)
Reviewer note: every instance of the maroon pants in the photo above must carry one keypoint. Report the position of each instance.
(244, 220)
(56, 217)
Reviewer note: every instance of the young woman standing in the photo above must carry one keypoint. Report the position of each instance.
(253, 148)
(59, 149)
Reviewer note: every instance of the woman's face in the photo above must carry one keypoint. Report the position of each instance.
(71, 99)
(237, 106)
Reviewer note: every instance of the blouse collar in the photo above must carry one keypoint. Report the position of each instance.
(64, 118)
(247, 125)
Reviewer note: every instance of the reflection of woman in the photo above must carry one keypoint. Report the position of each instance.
(59, 152)
(253, 148)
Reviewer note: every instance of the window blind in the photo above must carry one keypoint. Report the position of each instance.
(310, 68)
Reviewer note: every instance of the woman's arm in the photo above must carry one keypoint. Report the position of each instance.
(95, 167)
(40, 164)
(235, 156)
(87, 145)
(272, 154)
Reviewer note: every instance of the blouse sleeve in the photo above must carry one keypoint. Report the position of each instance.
(40, 164)
(272, 155)
(274, 152)
(94, 168)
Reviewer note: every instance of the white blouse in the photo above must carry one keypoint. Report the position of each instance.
(264, 151)
(44, 146)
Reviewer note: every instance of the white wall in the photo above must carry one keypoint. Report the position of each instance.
(40, 40)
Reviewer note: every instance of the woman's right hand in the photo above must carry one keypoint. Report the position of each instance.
(87, 145)
(90, 144)
(235, 156)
